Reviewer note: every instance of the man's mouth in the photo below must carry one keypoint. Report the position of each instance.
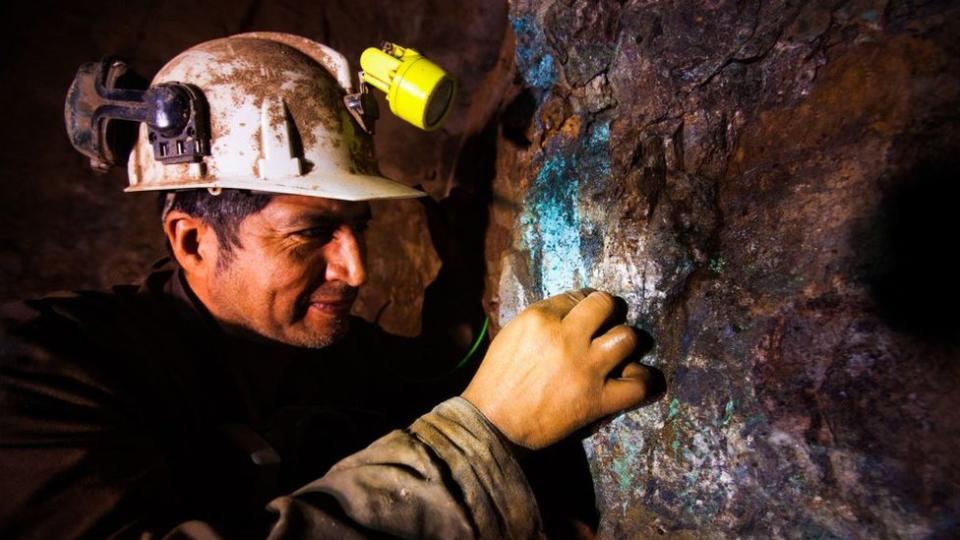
(333, 305)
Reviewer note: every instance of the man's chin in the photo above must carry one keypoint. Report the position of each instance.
(320, 334)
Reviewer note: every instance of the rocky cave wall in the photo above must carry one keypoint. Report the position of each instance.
(771, 187)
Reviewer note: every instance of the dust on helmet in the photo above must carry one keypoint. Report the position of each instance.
(261, 111)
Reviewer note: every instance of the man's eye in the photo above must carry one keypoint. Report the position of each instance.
(316, 233)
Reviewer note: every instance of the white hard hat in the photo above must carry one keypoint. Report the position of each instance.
(277, 123)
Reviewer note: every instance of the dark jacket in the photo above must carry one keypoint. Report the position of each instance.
(131, 412)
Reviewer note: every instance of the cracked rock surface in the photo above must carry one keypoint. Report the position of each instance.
(772, 188)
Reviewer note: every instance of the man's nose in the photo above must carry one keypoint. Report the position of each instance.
(345, 258)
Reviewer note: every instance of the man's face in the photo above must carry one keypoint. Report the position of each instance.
(296, 273)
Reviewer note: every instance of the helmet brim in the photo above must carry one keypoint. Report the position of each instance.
(345, 187)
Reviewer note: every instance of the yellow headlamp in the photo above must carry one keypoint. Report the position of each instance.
(417, 90)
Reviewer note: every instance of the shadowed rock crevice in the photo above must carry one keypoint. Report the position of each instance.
(913, 281)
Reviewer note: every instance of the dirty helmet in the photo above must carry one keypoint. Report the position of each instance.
(261, 111)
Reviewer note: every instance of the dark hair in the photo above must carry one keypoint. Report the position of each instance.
(223, 212)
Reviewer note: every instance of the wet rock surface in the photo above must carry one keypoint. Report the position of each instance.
(770, 185)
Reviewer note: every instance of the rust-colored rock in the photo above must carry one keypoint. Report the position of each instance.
(770, 186)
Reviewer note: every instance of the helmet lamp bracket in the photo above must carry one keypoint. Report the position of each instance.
(175, 114)
(363, 106)
(177, 126)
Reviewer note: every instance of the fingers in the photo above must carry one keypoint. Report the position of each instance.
(592, 313)
(561, 304)
(610, 349)
(625, 392)
(634, 370)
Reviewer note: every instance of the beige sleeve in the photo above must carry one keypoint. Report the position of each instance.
(449, 475)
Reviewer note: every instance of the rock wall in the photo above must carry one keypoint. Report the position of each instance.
(771, 187)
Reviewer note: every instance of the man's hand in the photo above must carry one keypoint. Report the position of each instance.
(547, 372)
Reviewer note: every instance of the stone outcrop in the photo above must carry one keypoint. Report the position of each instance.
(770, 186)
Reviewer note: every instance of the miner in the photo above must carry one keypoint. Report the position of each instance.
(212, 399)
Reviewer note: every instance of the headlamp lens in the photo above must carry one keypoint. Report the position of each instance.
(439, 103)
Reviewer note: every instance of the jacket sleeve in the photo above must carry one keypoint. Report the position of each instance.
(75, 460)
(447, 476)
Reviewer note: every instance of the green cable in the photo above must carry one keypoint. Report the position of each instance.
(475, 346)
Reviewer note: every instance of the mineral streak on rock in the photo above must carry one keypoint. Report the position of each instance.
(764, 182)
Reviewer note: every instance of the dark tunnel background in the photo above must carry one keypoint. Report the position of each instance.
(771, 186)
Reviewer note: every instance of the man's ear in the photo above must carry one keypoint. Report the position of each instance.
(192, 241)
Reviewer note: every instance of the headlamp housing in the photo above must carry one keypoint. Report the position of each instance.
(418, 90)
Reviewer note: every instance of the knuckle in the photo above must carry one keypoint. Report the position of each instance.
(535, 316)
(603, 300)
(576, 295)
